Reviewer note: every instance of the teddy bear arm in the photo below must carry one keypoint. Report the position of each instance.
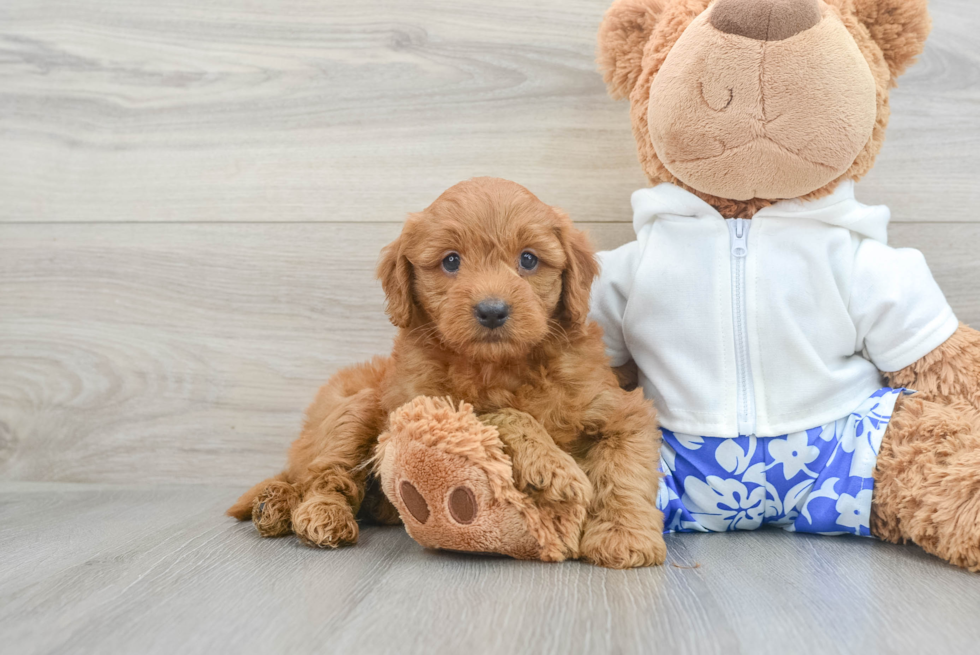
(949, 373)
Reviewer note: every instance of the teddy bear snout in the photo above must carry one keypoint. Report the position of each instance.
(765, 20)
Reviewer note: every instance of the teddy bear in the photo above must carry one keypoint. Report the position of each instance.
(806, 375)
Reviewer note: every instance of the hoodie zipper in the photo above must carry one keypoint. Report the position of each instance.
(738, 230)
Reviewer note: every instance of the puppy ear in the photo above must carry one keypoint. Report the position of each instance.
(625, 30)
(580, 270)
(899, 27)
(395, 273)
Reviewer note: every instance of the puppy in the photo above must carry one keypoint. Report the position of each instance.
(490, 289)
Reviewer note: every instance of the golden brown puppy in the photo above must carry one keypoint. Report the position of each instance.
(490, 289)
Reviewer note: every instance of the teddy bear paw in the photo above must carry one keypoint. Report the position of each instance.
(448, 476)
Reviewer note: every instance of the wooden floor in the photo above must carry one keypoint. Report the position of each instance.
(192, 199)
(131, 569)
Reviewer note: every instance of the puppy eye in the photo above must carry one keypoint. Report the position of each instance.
(451, 262)
(529, 261)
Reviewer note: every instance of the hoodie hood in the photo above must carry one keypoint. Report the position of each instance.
(839, 209)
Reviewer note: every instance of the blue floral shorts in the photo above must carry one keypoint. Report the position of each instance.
(819, 480)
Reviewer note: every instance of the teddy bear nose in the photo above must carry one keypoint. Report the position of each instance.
(765, 20)
(491, 313)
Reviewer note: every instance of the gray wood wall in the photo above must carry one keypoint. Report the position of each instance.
(193, 196)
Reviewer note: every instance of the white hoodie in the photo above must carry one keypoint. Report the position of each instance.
(764, 326)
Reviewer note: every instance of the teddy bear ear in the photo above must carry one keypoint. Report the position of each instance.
(899, 27)
(625, 30)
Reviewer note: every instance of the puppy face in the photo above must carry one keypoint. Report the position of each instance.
(490, 269)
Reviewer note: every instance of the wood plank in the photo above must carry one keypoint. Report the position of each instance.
(166, 573)
(319, 110)
(933, 136)
(213, 338)
(798, 591)
(330, 110)
(177, 353)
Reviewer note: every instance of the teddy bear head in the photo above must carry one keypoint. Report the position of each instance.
(747, 102)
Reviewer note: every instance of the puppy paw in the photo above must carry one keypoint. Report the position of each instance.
(616, 546)
(552, 476)
(325, 524)
(272, 509)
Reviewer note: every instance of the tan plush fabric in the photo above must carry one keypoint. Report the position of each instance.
(765, 21)
(927, 479)
(742, 118)
(458, 467)
(898, 27)
(637, 38)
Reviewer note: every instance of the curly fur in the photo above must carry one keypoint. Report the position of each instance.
(546, 362)
(927, 482)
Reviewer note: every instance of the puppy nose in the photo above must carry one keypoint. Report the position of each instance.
(492, 312)
(765, 20)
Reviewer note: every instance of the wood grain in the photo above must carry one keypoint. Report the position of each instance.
(334, 110)
(181, 353)
(164, 572)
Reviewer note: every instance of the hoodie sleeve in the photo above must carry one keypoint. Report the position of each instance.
(899, 311)
(610, 295)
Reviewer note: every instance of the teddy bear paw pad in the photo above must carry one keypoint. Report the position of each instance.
(447, 475)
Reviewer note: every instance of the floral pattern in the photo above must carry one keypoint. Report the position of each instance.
(819, 480)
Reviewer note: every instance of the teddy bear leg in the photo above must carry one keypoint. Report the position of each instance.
(448, 475)
(927, 480)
